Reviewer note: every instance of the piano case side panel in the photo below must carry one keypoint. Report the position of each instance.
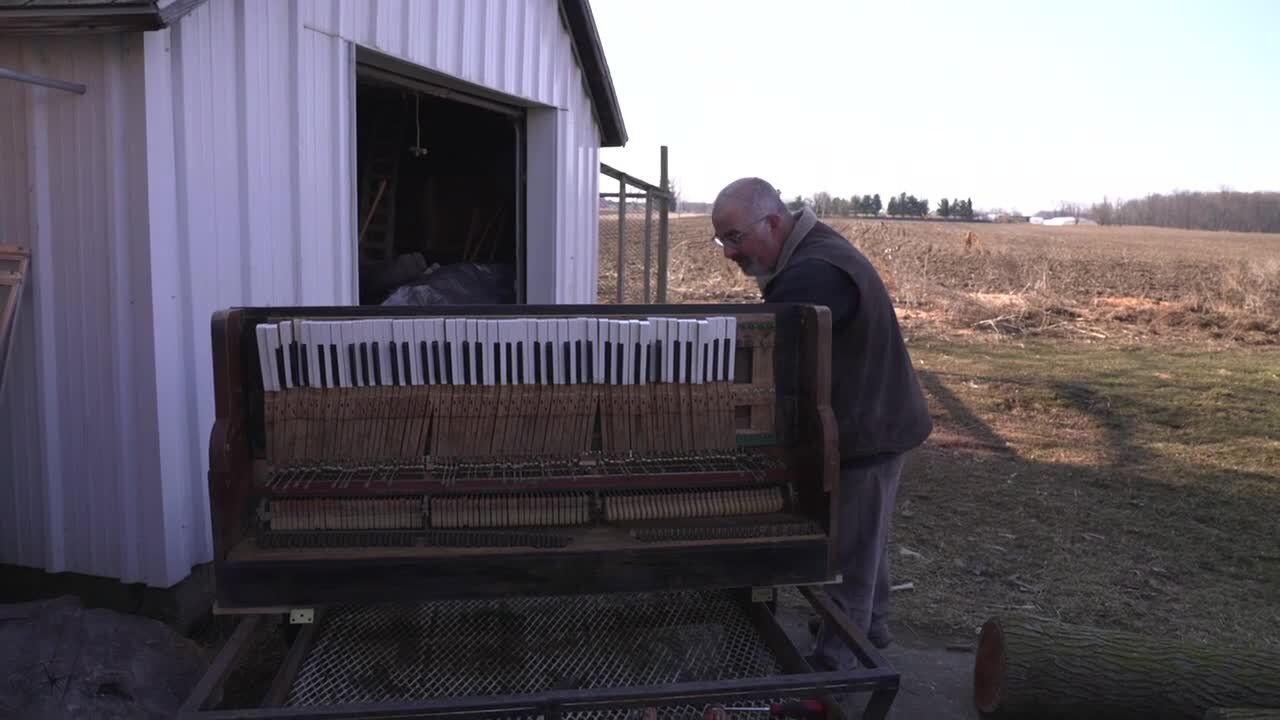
(230, 461)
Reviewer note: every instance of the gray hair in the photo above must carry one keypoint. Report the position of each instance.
(754, 193)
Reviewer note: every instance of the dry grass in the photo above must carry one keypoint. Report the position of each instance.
(1137, 284)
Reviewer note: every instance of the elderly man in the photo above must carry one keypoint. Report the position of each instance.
(880, 410)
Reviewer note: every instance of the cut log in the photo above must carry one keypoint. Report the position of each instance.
(1054, 670)
(1242, 714)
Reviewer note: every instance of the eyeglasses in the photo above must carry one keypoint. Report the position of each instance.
(734, 237)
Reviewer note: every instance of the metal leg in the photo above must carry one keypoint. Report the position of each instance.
(880, 702)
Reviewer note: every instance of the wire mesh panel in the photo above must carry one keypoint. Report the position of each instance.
(456, 649)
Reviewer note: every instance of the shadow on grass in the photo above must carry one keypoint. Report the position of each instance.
(1142, 542)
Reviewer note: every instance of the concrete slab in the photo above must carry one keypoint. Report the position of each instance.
(937, 682)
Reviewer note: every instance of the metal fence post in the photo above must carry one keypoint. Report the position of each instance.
(622, 233)
(663, 245)
(648, 237)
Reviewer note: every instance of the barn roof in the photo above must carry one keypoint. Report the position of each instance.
(69, 16)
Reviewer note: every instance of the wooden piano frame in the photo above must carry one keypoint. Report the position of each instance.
(792, 357)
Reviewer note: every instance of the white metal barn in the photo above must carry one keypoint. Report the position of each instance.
(165, 159)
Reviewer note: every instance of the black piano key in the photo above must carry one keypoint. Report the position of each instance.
(715, 358)
(479, 367)
(293, 364)
(354, 367)
(322, 376)
(364, 363)
(511, 371)
(537, 362)
(333, 365)
(568, 362)
(619, 349)
(304, 364)
(688, 362)
(636, 367)
(466, 362)
(280, 376)
(580, 363)
(656, 365)
(375, 359)
(444, 361)
(548, 364)
(591, 360)
(724, 361)
(426, 367)
(676, 357)
(608, 362)
(407, 363)
(395, 364)
(520, 363)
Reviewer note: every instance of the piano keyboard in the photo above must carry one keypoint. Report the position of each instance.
(388, 352)
(404, 389)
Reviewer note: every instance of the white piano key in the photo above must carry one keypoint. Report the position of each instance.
(646, 351)
(328, 335)
(353, 335)
(401, 337)
(662, 350)
(285, 330)
(487, 333)
(315, 354)
(701, 348)
(338, 338)
(688, 340)
(301, 336)
(718, 350)
(542, 365)
(413, 336)
(498, 338)
(364, 333)
(469, 353)
(731, 331)
(433, 334)
(308, 353)
(562, 365)
(266, 356)
(455, 332)
(383, 332)
(583, 332)
(525, 332)
(595, 335)
(633, 344)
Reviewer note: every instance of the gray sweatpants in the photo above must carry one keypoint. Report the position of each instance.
(867, 498)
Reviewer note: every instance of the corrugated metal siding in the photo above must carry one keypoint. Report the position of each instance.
(77, 417)
(248, 154)
(209, 165)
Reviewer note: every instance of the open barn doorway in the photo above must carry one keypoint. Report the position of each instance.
(439, 191)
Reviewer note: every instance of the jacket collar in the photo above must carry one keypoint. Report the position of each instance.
(805, 221)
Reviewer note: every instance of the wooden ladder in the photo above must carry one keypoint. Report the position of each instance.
(378, 191)
(14, 262)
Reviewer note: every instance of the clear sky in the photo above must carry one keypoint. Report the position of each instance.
(1015, 104)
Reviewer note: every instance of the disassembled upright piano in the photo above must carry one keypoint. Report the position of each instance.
(395, 457)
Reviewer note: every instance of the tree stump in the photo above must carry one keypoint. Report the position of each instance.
(1064, 671)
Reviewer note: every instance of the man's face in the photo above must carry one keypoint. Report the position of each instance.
(746, 238)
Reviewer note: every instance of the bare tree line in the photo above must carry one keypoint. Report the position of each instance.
(1225, 210)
